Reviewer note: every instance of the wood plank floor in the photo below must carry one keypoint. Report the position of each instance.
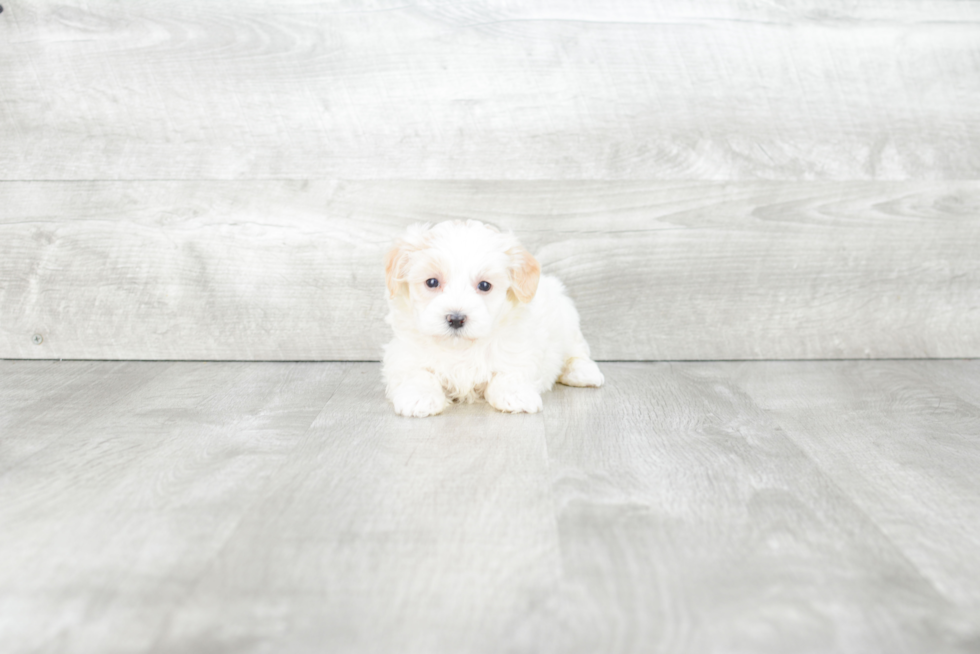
(685, 507)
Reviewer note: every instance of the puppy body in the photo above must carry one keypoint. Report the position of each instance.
(455, 342)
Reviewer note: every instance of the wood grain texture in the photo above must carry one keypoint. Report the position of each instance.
(541, 89)
(393, 534)
(39, 401)
(689, 522)
(902, 440)
(283, 270)
(146, 490)
(684, 507)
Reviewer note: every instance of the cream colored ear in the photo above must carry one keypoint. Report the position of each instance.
(396, 265)
(525, 273)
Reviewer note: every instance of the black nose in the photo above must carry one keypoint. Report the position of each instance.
(456, 320)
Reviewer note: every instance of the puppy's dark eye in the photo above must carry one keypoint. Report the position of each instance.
(483, 286)
(432, 283)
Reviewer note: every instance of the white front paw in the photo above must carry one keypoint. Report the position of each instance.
(513, 395)
(413, 403)
(517, 402)
(581, 372)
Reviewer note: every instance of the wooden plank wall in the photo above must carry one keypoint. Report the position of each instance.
(711, 179)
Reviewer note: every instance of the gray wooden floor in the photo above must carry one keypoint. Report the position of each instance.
(685, 507)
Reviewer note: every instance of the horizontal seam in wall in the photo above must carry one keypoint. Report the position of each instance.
(597, 360)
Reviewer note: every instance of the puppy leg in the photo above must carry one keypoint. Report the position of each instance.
(512, 393)
(579, 368)
(581, 371)
(417, 396)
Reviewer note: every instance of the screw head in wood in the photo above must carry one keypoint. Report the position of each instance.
(37, 339)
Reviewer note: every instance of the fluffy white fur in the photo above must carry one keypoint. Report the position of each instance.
(516, 341)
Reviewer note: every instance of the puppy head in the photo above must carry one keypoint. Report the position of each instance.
(457, 279)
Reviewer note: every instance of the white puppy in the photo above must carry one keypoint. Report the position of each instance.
(473, 317)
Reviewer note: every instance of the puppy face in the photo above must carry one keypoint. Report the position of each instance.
(457, 279)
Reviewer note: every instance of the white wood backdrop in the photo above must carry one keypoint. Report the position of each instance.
(712, 179)
(667, 270)
(542, 89)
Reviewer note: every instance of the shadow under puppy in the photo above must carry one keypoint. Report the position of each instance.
(473, 317)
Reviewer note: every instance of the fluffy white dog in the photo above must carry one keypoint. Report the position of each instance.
(473, 317)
